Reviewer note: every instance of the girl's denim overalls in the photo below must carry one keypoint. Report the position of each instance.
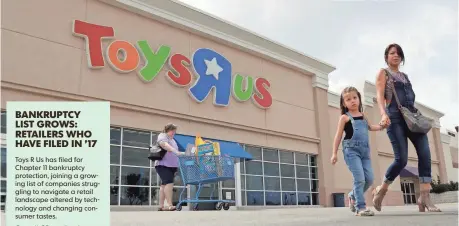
(398, 133)
(357, 157)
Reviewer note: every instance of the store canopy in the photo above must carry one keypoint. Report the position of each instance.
(226, 147)
(409, 171)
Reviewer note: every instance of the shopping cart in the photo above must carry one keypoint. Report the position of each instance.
(206, 169)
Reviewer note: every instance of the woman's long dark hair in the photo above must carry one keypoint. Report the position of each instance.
(341, 102)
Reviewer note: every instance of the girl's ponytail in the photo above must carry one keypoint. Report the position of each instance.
(341, 104)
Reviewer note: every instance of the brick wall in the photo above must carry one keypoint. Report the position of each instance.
(445, 197)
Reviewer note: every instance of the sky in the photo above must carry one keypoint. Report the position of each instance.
(352, 36)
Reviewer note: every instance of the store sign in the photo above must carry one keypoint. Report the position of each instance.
(213, 70)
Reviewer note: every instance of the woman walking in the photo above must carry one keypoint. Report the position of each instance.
(167, 167)
(397, 129)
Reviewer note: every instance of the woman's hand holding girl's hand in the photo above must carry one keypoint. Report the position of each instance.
(385, 121)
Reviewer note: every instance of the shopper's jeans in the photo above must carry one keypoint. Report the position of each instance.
(359, 163)
(398, 133)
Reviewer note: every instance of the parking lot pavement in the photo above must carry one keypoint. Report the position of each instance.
(291, 216)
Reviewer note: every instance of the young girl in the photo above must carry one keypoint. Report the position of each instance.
(355, 148)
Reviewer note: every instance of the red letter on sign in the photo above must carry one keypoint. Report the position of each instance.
(93, 35)
(262, 98)
(182, 75)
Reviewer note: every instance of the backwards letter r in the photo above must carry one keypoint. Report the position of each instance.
(214, 72)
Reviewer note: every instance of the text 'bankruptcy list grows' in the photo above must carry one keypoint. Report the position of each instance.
(58, 154)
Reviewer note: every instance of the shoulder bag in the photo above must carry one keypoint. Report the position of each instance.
(415, 121)
(156, 151)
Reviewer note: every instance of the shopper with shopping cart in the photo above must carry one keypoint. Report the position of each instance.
(167, 166)
(205, 165)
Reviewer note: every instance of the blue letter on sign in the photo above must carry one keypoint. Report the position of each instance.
(214, 71)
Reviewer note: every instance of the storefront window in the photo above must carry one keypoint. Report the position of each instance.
(228, 184)
(3, 186)
(115, 135)
(254, 182)
(312, 161)
(134, 195)
(115, 154)
(271, 169)
(273, 198)
(154, 196)
(302, 159)
(136, 138)
(303, 185)
(302, 172)
(114, 194)
(270, 155)
(314, 172)
(254, 168)
(304, 199)
(135, 176)
(135, 156)
(255, 198)
(288, 184)
(289, 198)
(2, 194)
(272, 183)
(278, 177)
(3, 163)
(315, 198)
(287, 170)
(287, 157)
(3, 122)
(114, 175)
(254, 151)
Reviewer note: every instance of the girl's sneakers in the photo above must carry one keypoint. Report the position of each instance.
(351, 204)
(365, 213)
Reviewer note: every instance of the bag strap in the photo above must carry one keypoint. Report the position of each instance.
(155, 138)
(155, 141)
(388, 74)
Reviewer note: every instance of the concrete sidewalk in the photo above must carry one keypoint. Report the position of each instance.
(291, 216)
(390, 216)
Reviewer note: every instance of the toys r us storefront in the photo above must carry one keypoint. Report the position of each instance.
(161, 61)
